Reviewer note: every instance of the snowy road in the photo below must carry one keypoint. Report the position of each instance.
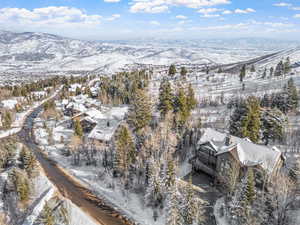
(67, 186)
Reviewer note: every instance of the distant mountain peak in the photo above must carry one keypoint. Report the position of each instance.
(42, 52)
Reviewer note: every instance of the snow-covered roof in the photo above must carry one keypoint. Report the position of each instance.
(102, 131)
(9, 103)
(76, 106)
(95, 114)
(79, 98)
(118, 112)
(89, 119)
(94, 90)
(65, 102)
(74, 86)
(39, 93)
(249, 154)
(108, 121)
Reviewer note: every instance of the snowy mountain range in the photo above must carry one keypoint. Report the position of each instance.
(40, 52)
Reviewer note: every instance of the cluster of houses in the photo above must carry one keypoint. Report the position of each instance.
(218, 155)
(98, 122)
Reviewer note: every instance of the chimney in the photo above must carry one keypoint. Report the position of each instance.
(228, 140)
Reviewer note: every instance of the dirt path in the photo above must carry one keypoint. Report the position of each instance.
(67, 186)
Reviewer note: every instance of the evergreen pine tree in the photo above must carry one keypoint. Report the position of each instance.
(170, 174)
(21, 184)
(264, 74)
(172, 70)
(77, 91)
(183, 72)
(266, 101)
(243, 73)
(279, 70)
(254, 122)
(7, 120)
(250, 188)
(87, 91)
(125, 154)
(281, 101)
(292, 94)
(141, 111)
(191, 99)
(271, 71)
(239, 119)
(181, 107)
(166, 98)
(173, 216)
(47, 217)
(287, 65)
(294, 172)
(190, 209)
(153, 194)
(252, 68)
(29, 162)
(245, 120)
(240, 205)
(78, 128)
(273, 123)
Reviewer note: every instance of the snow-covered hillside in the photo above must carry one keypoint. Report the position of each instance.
(39, 52)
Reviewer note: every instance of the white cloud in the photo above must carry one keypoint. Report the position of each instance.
(222, 27)
(210, 15)
(278, 25)
(226, 12)
(148, 8)
(49, 16)
(181, 17)
(282, 4)
(158, 6)
(283, 18)
(113, 17)
(154, 22)
(297, 16)
(208, 10)
(112, 1)
(288, 5)
(244, 11)
(273, 24)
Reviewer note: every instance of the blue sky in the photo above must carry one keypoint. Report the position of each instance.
(168, 19)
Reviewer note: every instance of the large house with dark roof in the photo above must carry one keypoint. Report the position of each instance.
(218, 154)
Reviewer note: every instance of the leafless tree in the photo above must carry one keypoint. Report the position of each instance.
(282, 196)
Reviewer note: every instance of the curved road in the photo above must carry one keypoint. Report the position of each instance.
(67, 186)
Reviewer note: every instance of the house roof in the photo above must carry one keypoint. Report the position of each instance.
(103, 132)
(249, 154)
(9, 103)
(74, 86)
(112, 116)
(89, 119)
(76, 106)
(95, 114)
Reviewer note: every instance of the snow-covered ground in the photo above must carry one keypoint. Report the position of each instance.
(218, 209)
(35, 52)
(130, 204)
(76, 216)
(43, 192)
(20, 117)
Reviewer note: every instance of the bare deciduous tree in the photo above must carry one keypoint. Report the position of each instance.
(282, 195)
